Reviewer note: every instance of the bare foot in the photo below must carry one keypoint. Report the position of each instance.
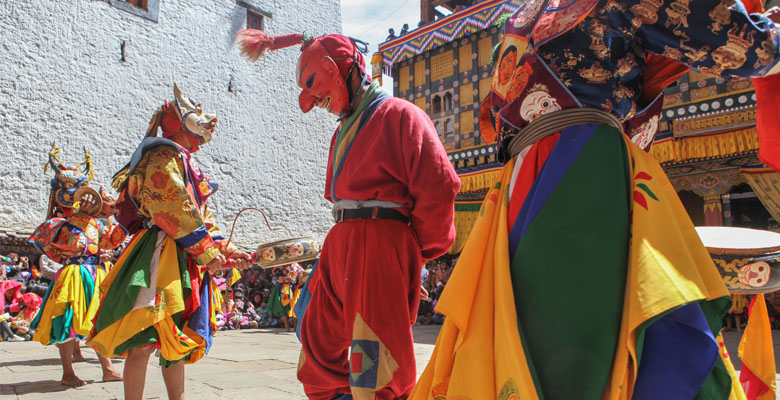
(112, 375)
(78, 358)
(72, 380)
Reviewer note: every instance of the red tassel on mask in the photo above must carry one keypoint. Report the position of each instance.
(255, 42)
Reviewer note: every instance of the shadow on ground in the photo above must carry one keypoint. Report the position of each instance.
(46, 386)
(44, 361)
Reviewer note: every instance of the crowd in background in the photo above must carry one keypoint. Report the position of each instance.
(434, 276)
(260, 298)
(22, 287)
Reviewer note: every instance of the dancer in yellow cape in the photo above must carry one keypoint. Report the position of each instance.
(583, 276)
(159, 295)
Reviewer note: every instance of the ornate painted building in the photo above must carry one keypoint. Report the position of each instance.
(706, 142)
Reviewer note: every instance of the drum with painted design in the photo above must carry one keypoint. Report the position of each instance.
(286, 252)
(747, 259)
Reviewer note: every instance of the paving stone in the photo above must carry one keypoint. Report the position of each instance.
(245, 364)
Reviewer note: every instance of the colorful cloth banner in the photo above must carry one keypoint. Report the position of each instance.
(757, 374)
(671, 149)
(450, 28)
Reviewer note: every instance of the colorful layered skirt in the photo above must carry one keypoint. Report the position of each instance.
(155, 296)
(69, 304)
(283, 299)
(583, 277)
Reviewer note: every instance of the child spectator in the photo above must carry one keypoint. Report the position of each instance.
(266, 319)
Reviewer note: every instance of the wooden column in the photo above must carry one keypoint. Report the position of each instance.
(726, 201)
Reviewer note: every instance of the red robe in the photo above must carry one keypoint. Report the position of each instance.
(366, 290)
(398, 157)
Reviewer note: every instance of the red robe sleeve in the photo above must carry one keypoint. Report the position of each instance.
(432, 182)
(768, 119)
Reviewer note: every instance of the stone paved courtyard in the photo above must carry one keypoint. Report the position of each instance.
(246, 364)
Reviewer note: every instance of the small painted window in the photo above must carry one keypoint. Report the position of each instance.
(148, 9)
(436, 102)
(138, 3)
(448, 101)
(254, 20)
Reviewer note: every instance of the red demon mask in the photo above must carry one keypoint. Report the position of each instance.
(324, 71)
(324, 68)
(321, 83)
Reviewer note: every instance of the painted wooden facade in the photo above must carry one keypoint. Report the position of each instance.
(706, 142)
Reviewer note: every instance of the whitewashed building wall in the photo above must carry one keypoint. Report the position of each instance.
(62, 78)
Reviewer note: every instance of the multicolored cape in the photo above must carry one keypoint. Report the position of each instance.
(523, 311)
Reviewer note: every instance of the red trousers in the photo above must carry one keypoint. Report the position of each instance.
(357, 331)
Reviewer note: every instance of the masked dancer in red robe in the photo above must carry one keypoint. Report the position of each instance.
(393, 190)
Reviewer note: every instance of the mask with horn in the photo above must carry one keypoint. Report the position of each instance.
(183, 114)
(69, 185)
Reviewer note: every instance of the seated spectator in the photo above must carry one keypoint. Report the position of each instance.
(391, 34)
(48, 268)
(256, 297)
(233, 316)
(404, 29)
(15, 326)
(266, 319)
(10, 294)
(15, 267)
(6, 333)
(425, 312)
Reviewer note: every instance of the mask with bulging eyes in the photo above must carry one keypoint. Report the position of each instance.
(193, 119)
(70, 184)
(538, 102)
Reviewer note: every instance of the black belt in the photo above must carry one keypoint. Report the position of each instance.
(86, 260)
(343, 214)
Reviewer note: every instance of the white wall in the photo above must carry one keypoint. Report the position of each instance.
(61, 78)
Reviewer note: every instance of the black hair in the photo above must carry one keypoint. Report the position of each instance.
(508, 50)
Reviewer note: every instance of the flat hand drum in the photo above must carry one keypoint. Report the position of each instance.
(286, 252)
(747, 259)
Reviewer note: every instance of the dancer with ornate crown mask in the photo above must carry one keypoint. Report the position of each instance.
(73, 235)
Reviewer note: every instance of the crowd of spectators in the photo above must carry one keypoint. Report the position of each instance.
(245, 303)
(261, 298)
(21, 290)
(434, 277)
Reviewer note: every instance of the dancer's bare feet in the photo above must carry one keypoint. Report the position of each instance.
(77, 356)
(72, 380)
(112, 375)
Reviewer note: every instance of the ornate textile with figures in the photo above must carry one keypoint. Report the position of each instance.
(605, 61)
(583, 270)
